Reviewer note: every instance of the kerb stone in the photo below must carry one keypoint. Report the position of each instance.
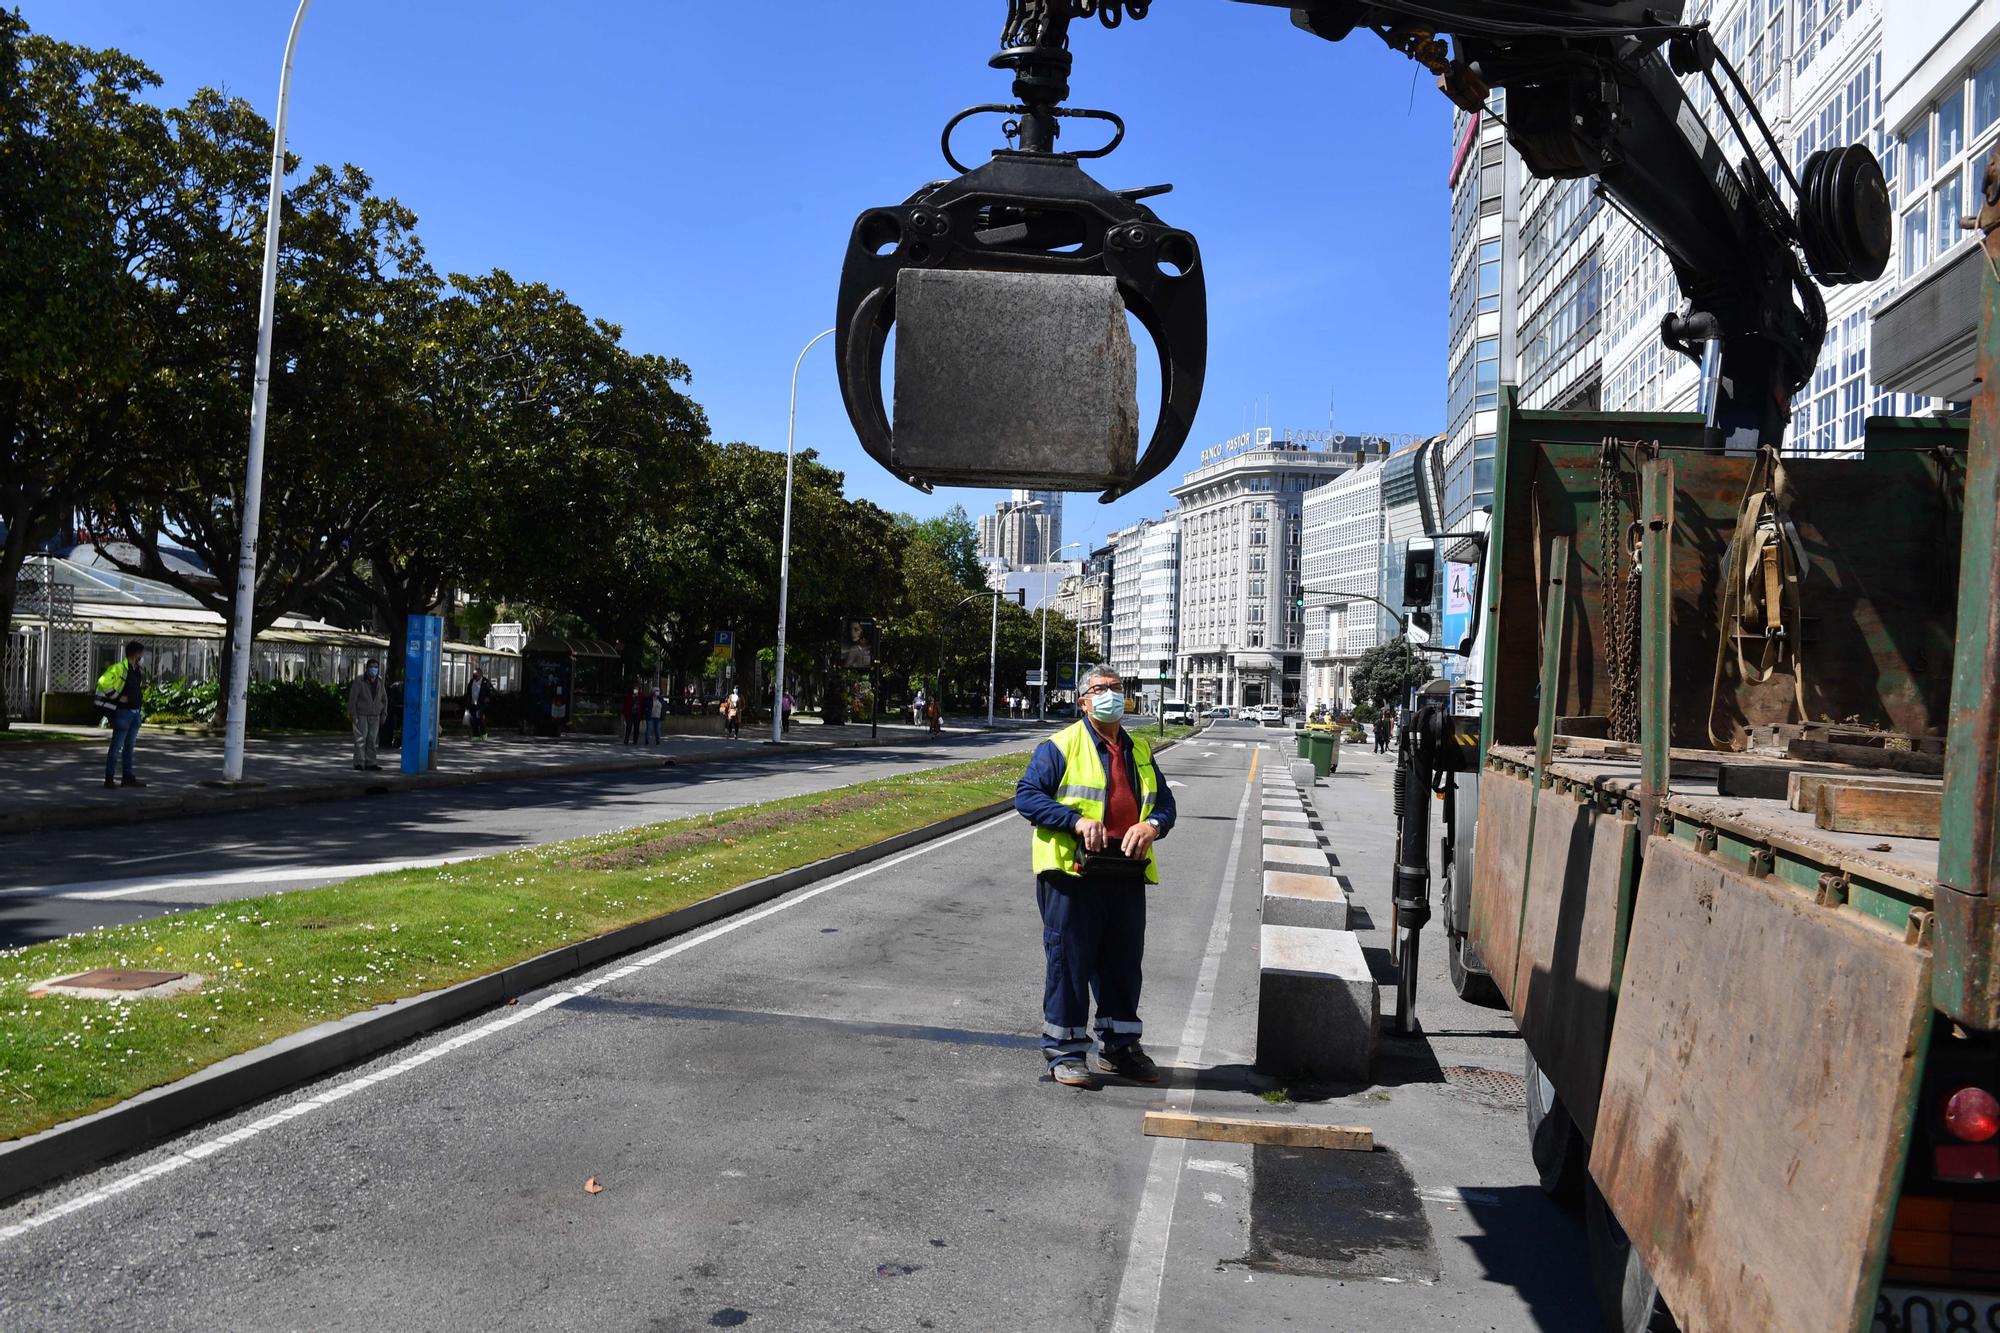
(1318, 1012)
(1297, 860)
(1304, 900)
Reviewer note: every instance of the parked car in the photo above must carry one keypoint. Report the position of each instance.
(1222, 712)
(1175, 713)
(1271, 715)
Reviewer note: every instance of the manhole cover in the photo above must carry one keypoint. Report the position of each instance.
(1498, 1084)
(116, 983)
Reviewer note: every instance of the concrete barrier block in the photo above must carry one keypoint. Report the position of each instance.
(1303, 776)
(1028, 376)
(1283, 814)
(1289, 835)
(1297, 860)
(1304, 900)
(1318, 1012)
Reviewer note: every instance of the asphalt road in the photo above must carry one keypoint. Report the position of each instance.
(65, 881)
(830, 1114)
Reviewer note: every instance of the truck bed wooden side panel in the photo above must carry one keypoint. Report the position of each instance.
(1562, 989)
(1758, 1095)
(1499, 864)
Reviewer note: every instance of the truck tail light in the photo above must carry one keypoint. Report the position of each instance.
(1972, 1115)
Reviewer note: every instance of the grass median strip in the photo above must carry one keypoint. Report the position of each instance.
(276, 964)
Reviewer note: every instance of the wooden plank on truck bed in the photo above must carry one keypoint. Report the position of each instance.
(1802, 789)
(1900, 812)
(1757, 1096)
(1237, 1129)
(1868, 756)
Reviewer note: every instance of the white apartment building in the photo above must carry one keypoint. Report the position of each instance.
(1242, 626)
(1018, 533)
(1341, 556)
(1351, 547)
(1572, 312)
(1485, 269)
(1145, 598)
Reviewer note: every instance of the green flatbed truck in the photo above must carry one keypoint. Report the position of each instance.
(1738, 835)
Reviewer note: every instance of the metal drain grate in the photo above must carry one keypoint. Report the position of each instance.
(1498, 1084)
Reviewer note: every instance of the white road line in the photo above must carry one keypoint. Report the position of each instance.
(279, 874)
(222, 1142)
(1234, 1170)
(1453, 1194)
(1138, 1307)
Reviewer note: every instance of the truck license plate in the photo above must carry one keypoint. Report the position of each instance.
(1930, 1310)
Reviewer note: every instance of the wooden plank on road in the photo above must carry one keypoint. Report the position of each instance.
(1901, 812)
(1236, 1129)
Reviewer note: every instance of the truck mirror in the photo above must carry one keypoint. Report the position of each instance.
(1419, 574)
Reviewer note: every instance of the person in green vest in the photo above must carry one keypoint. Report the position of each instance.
(1098, 802)
(123, 687)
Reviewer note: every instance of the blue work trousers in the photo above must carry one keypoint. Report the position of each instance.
(1094, 932)
(124, 735)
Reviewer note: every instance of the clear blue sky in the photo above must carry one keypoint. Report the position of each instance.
(691, 172)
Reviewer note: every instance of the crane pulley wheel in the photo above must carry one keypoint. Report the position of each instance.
(1844, 217)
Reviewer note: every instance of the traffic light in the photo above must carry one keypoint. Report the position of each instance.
(1166, 668)
(1419, 574)
(1020, 596)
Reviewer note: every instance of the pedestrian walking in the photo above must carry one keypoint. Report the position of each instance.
(732, 714)
(656, 709)
(1098, 802)
(367, 705)
(934, 714)
(477, 689)
(917, 709)
(633, 711)
(1381, 732)
(122, 691)
(785, 715)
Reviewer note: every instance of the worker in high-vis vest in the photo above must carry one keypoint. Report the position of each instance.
(1098, 802)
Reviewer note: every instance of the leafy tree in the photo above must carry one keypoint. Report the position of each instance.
(102, 199)
(1386, 673)
(956, 538)
(336, 383)
(545, 462)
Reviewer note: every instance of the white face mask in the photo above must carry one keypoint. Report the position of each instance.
(1108, 706)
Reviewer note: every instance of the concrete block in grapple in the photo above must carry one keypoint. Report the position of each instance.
(1014, 379)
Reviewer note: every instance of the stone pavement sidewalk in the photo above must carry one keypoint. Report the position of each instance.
(56, 786)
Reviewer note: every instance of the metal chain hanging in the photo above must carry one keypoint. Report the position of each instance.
(1620, 602)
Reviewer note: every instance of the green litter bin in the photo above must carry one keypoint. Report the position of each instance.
(1304, 740)
(1323, 748)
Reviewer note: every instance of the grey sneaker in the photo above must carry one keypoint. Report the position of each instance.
(1072, 1072)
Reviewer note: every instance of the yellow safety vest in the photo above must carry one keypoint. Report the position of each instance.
(1084, 789)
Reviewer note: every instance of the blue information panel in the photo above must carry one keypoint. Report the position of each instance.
(1457, 622)
(421, 659)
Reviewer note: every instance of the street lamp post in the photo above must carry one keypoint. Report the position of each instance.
(1042, 690)
(785, 554)
(260, 393)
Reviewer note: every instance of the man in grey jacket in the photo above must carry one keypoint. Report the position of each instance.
(367, 704)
